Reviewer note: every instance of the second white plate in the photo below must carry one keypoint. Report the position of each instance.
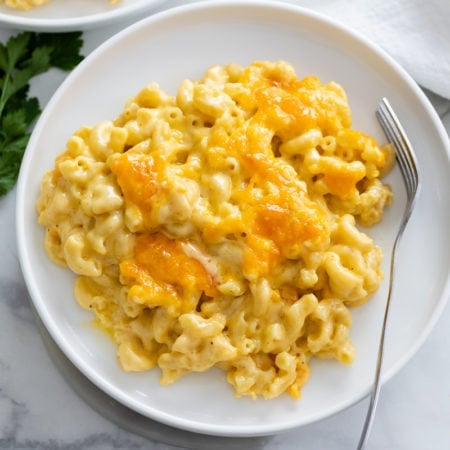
(69, 15)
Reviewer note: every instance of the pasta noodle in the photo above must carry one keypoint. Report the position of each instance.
(217, 227)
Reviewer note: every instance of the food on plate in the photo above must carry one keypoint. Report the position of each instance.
(218, 227)
(29, 4)
(23, 4)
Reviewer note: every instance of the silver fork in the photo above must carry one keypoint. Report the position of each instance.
(411, 177)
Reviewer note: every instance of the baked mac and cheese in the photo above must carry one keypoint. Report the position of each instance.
(217, 227)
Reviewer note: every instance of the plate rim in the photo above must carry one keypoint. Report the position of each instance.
(183, 423)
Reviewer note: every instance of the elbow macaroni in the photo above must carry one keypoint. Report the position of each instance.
(218, 227)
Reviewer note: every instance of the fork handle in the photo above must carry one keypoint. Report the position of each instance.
(376, 386)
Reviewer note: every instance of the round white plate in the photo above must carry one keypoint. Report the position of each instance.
(69, 15)
(183, 43)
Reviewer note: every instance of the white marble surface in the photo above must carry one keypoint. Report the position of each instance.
(45, 403)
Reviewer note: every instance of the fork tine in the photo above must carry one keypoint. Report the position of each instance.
(401, 159)
(402, 156)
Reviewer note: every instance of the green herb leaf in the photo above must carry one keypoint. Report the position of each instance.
(10, 159)
(16, 48)
(65, 47)
(23, 57)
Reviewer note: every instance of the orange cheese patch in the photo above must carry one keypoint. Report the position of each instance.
(341, 178)
(161, 267)
(140, 177)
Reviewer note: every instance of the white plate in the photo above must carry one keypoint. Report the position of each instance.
(69, 15)
(183, 43)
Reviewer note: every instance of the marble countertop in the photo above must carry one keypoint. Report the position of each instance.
(45, 403)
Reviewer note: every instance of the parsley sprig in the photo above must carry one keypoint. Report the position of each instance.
(23, 57)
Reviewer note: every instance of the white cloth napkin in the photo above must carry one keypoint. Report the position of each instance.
(414, 32)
